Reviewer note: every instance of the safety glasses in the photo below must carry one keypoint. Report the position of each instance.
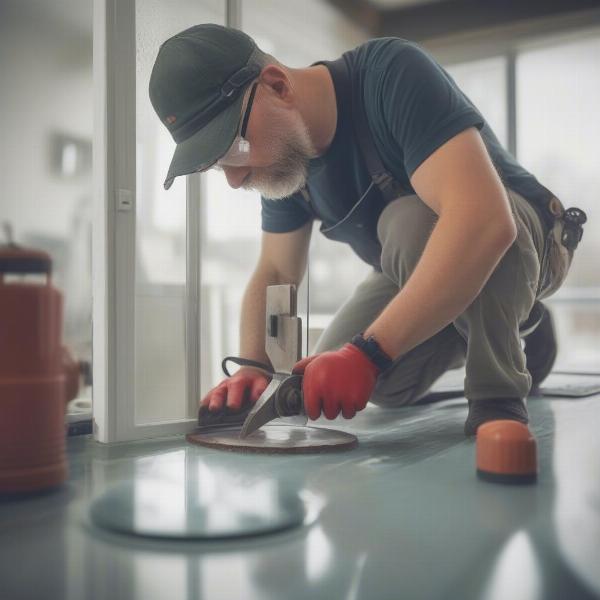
(238, 154)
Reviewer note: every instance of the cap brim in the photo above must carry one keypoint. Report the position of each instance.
(207, 145)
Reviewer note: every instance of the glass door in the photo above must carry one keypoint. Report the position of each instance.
(146, 240)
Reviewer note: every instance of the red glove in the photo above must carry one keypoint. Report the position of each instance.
(247, 384)
(337, 381)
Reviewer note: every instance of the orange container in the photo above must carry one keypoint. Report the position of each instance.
(35, 373)
(506, 452)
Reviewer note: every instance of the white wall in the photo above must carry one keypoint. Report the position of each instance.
(46, 88)
(46, 75)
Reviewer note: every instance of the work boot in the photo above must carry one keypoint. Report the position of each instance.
(494, 409)
(540, 345)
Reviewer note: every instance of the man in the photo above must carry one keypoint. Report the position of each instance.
(382, 147)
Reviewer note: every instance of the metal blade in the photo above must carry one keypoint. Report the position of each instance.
(263, 411)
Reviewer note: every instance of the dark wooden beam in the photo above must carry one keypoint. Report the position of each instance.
(436, 19)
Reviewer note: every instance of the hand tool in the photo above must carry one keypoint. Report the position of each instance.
(282, 399)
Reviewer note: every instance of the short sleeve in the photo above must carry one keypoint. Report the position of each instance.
(287, 214)
(422, 106)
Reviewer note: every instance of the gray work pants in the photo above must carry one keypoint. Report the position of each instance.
(485, 336)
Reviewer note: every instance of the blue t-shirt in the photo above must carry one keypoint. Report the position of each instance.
(413, 107)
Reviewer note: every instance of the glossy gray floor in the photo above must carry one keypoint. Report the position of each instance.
(402, 516)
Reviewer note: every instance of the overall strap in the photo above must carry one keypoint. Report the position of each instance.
(390, 188)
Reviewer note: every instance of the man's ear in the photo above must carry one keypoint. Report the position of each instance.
(277, 82)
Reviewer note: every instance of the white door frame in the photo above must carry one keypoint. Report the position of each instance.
(114, 231)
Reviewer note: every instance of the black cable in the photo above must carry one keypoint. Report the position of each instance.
(244, 362)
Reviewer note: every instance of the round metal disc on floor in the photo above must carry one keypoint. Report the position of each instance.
(276, 439)
(190, 510)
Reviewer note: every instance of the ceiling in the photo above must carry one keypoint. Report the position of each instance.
(420, 20)
(414, 19)
(400, 4)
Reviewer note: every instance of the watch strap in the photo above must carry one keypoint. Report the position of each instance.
(371, 348)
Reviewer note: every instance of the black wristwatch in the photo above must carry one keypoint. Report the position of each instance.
(372, 349)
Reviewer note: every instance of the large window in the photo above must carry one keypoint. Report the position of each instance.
(558, 87)
(556, 129)
(484, 82)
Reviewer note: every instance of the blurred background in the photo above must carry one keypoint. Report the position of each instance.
(533, 69)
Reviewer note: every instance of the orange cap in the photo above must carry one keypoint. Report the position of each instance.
(506, 452)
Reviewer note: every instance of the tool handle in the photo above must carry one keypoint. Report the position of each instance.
(244, 362)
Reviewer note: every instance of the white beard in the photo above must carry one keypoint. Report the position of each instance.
(289, 172)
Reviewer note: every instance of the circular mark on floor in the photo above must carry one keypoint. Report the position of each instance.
(160, 508)
(276, 439)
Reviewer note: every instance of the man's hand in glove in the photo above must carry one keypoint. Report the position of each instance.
(335, 381)
(245, 385)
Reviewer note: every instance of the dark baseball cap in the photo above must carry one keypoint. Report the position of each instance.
(197, 89)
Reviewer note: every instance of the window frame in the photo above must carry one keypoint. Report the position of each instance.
(114, 239)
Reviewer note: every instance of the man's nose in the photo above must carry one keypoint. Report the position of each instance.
(236, 175)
